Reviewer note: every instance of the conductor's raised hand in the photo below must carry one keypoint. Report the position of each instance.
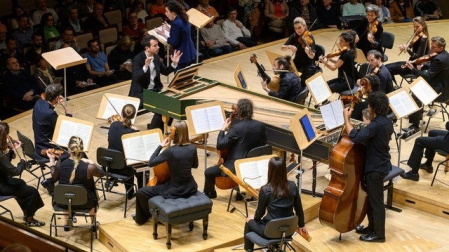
(148, 61)
(176, 56)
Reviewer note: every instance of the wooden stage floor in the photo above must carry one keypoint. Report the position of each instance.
(420, 227)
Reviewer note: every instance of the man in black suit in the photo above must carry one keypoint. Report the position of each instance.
(147, 68)
(244, 134)
(436, 73)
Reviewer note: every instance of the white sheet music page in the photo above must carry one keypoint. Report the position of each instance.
(332, 114)
(425, 93)
(319, 89)
(215, 117)
(151, 142)
(118, 104)
(255, 173)
(207, 119)
(402, 104)
(140, 148)
(69, 129)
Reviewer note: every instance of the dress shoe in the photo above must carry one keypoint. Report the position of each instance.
(372, 237)
(410, 175)
(211, 195)
(360, 229)
(426, 167)
(48, 185)
(410, 128)
(239, 196)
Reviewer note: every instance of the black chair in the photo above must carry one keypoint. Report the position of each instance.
(442, 163)
(319, 51)
(443, 100)
(67, 200)
(363, 70)
(387, 42)
(278, 233)
(256, 152)
(35, 159)
(302, 96)
(6, 210)
(115, 160)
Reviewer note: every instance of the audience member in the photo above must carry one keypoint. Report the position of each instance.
(44, 74)
(48, 28)
(134, 27)
(235, 32)
(384, 12)
(97, 65)
(11, 50)
(36, 49)
(205, 8)
(353, 7)
(86, 7)
(157, 9)
(120, 58)
(41, 10)
(276, 12)
(3, 32)
(23, 33)
(328, 14)
(68, 38)
(18, 12)
(96, 21)
(139, 8)
(73, 21)
(304, 9)
(427, 9)
(401, 11)
(215, 40)
(255, 19)
(183, 3)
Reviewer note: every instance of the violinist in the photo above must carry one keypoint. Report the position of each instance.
(345, 64)
(370, 31)
(181, 158)
(376, 137)
(242, 136)
(362, 104)
(417, 46)
(26, 196)
(434, 71)
(302, 44)
(116, 131)
(290, 83)
(44, 122)
(378, 68)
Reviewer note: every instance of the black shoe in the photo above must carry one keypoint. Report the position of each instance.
(239, 196)
(34, 223)
(431, 112)
(363, 230)
(410, 128)
(426, 167)
(48, 185)
(410, 175)
(211, 195)
(131, 195)
(409, 132)
(372, 237)
(66, 228)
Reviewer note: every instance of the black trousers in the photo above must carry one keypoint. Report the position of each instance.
(253, 226)
(157, 123)
(396, 69)
(416, 117)
(376, 209)
(210, 174)
(27, 196)
(435, 140)
(143, 195)
(130, 172)
(338, 85)
(248, 42)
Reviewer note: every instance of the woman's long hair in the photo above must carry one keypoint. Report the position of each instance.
(177, 8)
(182, 133)
(422, 22)
(76, 149)
(349, 36)
(4, 132)
(277, 178)
(128, 113)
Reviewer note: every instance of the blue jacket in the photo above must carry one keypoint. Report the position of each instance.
(181, 40)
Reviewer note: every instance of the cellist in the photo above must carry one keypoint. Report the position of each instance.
(181, 158)
(376, 136)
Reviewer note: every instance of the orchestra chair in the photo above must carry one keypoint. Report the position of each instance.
(6, 210)
(67, 202)
(444, 163)
(391, 179)
(387, 42)
(113, 159)
(278, 235)
(255, 152)
(35, 159)
(442, 100)
(302, 96)
(178, 211)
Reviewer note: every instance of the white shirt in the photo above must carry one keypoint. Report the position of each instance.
(232, 31)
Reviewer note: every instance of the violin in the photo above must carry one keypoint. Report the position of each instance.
(114, 118)
(306, 41)
(372, 27)
(337, 52)
(416, 36)
(52, 151)
(362, 93)
(161, 171)
(422, 59)
(273, 83)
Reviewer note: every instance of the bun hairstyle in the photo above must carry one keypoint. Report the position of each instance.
(76, 149)
(128, 113)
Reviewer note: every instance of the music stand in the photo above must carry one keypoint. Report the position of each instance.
(184, 77)
(61, 59)
(199, 20)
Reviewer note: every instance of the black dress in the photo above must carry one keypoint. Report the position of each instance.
(305, 65)
(364, 44)
(347, 70)
(27, 196)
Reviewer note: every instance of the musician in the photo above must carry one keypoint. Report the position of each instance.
(278, 197)
(26, 196)
(181, 158)
(243, 135)
(77, 170)
(147, 67)
(370, 31)
(419, 46)
(357, 113)
(116, 131)
(376, 137)
(435, 73)
(290, 83)
(304, 55)
(378, 68)
(44, 122)
(345, 64)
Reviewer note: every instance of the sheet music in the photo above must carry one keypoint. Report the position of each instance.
(402, 104)
(207, 119)
(118, 105)
(425, 93)
(140, 148)
(69, 129)
(332, 114)
(318, 87)
(255, 173)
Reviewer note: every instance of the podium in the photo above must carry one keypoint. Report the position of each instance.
(199, 20)
(61, 59)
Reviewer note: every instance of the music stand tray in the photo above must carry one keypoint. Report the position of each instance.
(184, 77)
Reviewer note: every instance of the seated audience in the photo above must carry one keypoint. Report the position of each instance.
(3, 32)
(44, 74)
(47, 27)
(134, 27)
(139, 8)
(37, 48)
(23, 33)
(157, 9)
(304, 9)
(96, 21)
(42, 10)
(97, 65)
(328, 14)
(276, 12)
(401, 11)
(353, 7)
(207, 9)
(215, 40)
(18, 12)
(384, 12)
(235, 32)
(67, 38)
(120, 58)
(73, 21)
(427, 9)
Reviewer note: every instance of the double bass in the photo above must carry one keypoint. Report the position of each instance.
(161, 171)
(344, 204)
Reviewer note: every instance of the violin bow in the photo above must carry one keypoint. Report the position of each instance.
(409, 41)
(111, 104)
(313, 23)
(15, 149)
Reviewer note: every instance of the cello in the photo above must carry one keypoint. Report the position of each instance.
(161, 171)
(344, 203)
